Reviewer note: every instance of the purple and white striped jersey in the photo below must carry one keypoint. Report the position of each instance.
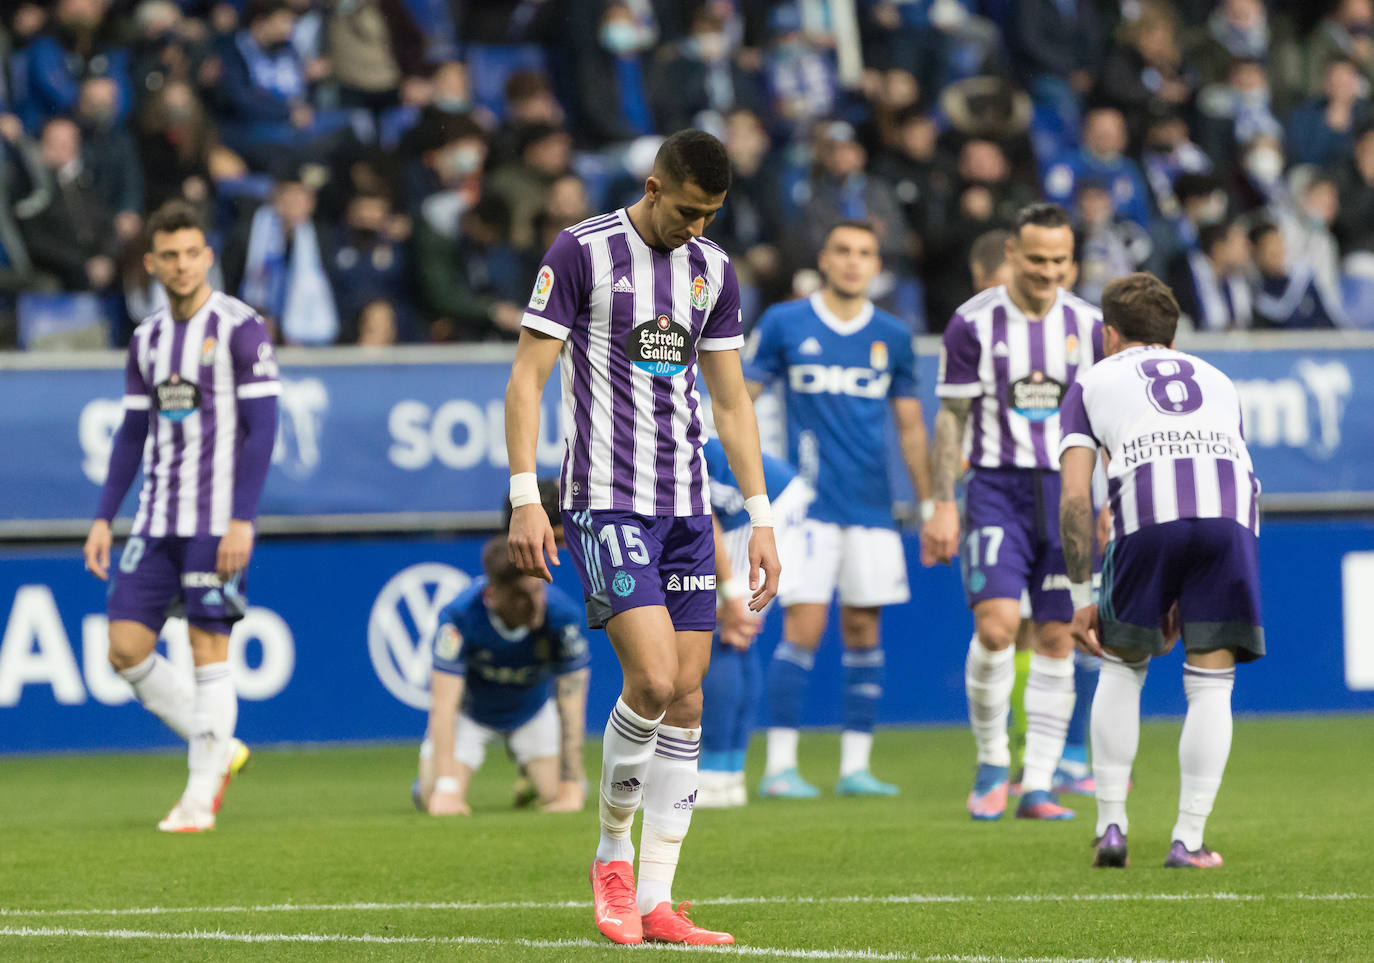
(188, 376)
(1171, 426)
(1016, 372)
(632, 320)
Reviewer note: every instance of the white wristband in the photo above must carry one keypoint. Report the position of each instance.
(732, 588)
(524, 489)
(760, 512)
(927, 509)
(446, 784)
(1082, 594)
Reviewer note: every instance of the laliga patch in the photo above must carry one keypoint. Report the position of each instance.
(701, 293)
(877, 355)
(660, 347)
(177, 398)
(1036, 396)
(543, 287)
(449, 643)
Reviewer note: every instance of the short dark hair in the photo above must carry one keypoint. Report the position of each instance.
(696, 156)
(1259, 231)
(1213, 234)
(175, 215)
(262, 9)
(496, 563)
(855, 223)
(989, 250)
(1041, 214)
(1141, 308)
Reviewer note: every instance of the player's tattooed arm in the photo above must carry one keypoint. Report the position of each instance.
(1076, 533)
(570, 696)
(946, 456)
(1076, 521)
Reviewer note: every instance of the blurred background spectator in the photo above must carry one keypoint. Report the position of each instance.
(379, 171)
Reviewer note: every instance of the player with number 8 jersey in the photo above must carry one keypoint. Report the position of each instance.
(632, 302)
(1183, 557)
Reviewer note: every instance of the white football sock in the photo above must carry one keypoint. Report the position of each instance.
(1049, 705)
(212, 726)
(988, 680)
(782, 750)
(1203, 748)
(855, 749)
(163, 691)
(1116, 737)
(626, 749)
(669, 798)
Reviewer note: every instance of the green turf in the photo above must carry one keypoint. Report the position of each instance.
(335, 826)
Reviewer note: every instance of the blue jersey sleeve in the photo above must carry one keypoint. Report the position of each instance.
(764, 360)
(448, 644)
(903, 370)
(565, 618)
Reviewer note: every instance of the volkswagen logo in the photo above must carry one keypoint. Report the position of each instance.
(403, 623)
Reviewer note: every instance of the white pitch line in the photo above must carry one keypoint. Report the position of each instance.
(897, 899)
(221, 936)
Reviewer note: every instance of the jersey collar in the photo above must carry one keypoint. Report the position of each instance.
(637, 240)
(509, 634)
(835, 324)
(1014, 308)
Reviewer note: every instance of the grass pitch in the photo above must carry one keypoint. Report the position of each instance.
(319, 856)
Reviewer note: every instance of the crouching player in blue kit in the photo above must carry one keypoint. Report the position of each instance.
(1183, 555)
(733, 681)
(500, 646)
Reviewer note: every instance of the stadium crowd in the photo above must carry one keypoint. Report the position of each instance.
(381, 171)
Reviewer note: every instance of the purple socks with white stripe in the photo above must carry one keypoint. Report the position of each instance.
(626, 751)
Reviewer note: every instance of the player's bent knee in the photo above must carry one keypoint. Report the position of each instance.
(649, 695)
(130, 644)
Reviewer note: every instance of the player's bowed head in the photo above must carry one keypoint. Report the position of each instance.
(683, 192)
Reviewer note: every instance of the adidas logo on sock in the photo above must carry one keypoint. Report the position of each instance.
(688, 803)
(629, 785)
(623, 286)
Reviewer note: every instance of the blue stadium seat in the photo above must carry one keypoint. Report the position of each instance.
(490, 65)
(63, 320)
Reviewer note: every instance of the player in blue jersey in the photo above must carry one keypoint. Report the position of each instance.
(842, 364)
(502, 646)
(733, 681)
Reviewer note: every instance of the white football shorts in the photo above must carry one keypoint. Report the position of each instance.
(866, 565)
(536, 739)
(789, 515)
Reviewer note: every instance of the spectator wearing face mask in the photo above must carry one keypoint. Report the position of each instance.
(366, 257)
(799, 74)
(1287, 294)
(443, 170)
(1236, 112)
(702, 75)
(545, 154)
(612, 90)
(262, 95)
(74, 49)
(1102, 158)
(1169, 154)
(1304, 216)
(1209, 281)
(1319, 132)
(1235, 29)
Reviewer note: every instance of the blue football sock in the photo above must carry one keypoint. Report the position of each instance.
(721, 694)
(751, 690)
(788, 673)
(1085, 670)
(863, 688)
